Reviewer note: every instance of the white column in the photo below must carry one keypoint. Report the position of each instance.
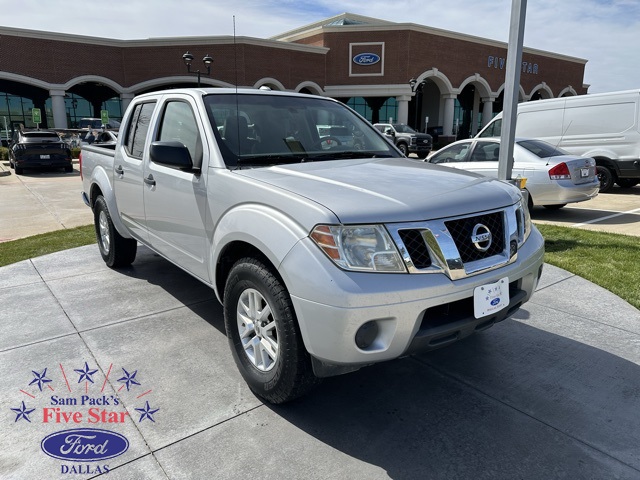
(449, 106)
(487, 110)
(59, 109)
(403, 109)
(125, 100)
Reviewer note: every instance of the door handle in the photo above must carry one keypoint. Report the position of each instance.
(119, 170)
(149, 180)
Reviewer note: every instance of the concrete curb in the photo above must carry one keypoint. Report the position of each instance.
(4, 169)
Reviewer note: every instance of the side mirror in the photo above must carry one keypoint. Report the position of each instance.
(171, 154)
(389, 131)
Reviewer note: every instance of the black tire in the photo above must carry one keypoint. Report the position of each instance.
(606, 178)
(116, 250)
(68, 168)
(555, 207)
(422, 156)
(19, 170)
(278, 375)
(627, 182)
(529, 201)
(404, 149)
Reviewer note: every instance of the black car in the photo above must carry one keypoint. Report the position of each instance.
(37, 149)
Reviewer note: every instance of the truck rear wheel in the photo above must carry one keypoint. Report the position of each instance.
(116, 250)
(263, 333)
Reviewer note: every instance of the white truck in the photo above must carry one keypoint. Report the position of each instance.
(326, 257)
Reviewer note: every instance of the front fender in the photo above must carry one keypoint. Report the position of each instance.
(269, 230)
(100, 179)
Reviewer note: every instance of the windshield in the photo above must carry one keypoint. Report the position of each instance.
(541, 149)
(403, 128)
(34, 137)
(271, 129)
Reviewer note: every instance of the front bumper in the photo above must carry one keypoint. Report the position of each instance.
(412, 312)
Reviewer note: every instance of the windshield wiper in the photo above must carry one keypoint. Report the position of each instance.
(270, 159)
(343, 155)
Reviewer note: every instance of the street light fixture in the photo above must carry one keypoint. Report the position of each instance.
(206, 60)
(417, 89)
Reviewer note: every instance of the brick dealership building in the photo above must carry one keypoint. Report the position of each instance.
(365, 62)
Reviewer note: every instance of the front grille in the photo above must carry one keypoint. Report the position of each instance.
(416, 248)
(462, 230)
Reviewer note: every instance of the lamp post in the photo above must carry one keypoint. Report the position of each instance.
(206, 60)
(417, 89)
(74, 104)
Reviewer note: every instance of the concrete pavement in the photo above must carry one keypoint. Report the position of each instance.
(40, 202)
(552, 393)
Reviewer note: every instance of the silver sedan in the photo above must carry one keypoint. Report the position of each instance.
(554, 177)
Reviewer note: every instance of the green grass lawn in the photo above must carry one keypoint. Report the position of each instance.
(609, 260)
(24, 248)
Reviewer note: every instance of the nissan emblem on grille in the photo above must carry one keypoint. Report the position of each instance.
(481, 237)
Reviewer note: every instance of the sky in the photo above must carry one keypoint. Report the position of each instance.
(604, 32)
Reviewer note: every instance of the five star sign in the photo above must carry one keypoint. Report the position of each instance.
(40, 378)
(85, 374)
(129, 379)
(147, 412)
(23, 412)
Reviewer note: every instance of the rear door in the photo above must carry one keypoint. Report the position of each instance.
(483, 158)
(175, 200)
(128, 170)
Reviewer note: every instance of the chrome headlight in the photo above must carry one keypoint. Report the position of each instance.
(367, 248)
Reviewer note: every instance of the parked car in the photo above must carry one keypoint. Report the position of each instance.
(325, 259)
(554, 178)
(37, 149)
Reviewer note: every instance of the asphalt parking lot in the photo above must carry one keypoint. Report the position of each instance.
(552, 393)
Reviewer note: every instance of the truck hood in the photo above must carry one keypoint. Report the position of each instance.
(388, 190)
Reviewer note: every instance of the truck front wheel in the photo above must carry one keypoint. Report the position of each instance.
(263, 333)
(116, 250)
(403, 148)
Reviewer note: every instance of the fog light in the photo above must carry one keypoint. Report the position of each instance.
(366, 334)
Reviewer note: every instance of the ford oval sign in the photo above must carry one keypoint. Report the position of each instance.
(495, 301)
(84, 445)
(366, 59)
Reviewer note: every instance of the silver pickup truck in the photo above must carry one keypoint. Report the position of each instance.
(328, 254)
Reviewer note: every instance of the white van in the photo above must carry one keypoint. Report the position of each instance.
(604, 126)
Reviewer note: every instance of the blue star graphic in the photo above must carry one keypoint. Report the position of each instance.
(40, 378)
(129, 379)
(146, 412)
(85, 374)
(23, 412)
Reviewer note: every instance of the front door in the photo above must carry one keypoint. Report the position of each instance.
(176, 200)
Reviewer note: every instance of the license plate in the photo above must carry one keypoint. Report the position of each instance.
(491, 298)
(45, 157)
(584, 172)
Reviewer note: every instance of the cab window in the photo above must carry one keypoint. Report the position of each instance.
(179, 124)
(138, 129)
